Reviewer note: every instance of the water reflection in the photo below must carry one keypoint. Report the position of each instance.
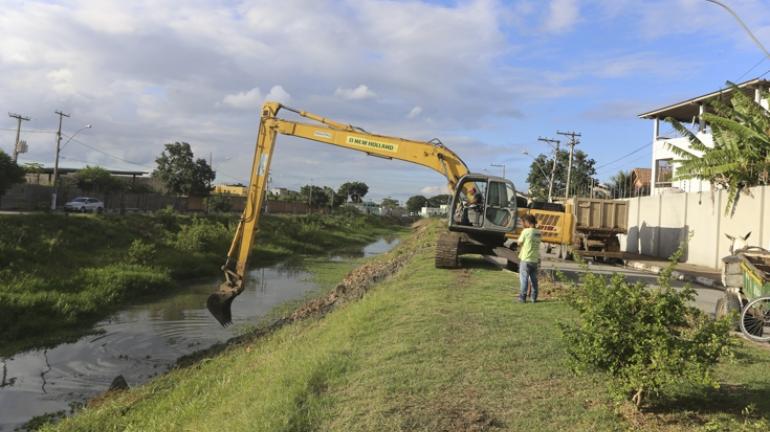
(141, 342)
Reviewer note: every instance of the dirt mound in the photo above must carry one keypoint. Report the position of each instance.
(358, 281)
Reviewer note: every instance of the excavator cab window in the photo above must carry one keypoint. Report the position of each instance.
(501, 206)
(483, 204)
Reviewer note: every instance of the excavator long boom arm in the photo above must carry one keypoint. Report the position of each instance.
(432, 154)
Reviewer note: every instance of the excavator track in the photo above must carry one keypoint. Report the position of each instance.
(448, 250)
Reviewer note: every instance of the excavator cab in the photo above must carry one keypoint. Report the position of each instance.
(483, 203)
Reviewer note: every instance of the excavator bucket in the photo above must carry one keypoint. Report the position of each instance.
(219, 303)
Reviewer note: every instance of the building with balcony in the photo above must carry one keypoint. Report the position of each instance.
(690, 114)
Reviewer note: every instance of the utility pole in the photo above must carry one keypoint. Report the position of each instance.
(553, 166)
(310, 197)
(56, 162)
(16, 149)
(499, 166)
(573, 141)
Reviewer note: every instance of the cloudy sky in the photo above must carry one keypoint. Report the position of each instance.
(487, 77)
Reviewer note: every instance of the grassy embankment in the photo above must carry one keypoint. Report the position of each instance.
(60, 274)
(424, 350)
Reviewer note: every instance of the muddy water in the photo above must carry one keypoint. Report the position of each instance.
(142, 341)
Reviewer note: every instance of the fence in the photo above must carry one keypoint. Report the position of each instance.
(658, 224)
(38, 197)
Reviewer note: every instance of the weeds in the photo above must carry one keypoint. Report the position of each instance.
(68, 271)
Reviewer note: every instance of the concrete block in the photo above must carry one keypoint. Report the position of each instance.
(705, 281)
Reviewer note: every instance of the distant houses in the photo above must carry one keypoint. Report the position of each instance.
(442, 210)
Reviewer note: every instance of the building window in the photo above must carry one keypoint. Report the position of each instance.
(664, 172)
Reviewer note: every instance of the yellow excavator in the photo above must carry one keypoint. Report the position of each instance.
(482, 214)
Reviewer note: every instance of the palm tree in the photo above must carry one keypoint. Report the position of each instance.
(740, 157)
(621, 184)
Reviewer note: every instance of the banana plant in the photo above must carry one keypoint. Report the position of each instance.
(740, 156)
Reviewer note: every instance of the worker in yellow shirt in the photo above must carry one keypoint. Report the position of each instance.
(529, 257)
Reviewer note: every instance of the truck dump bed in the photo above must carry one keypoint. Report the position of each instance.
(599, 215)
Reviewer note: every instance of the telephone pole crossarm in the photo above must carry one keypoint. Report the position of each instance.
(553, 165)
(573, 141)
(19, 118)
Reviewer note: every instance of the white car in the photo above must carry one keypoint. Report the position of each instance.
(84, 204)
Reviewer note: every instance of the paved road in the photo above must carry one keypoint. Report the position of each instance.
(705, 300)
(706, 297)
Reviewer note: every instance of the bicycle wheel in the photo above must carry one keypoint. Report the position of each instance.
(755, 319)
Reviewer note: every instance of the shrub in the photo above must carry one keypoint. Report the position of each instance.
(107, 285)
(201, 236)
(142, 253)
(219, 203)
(646, 339)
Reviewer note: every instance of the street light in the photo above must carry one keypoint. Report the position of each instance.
(745, 27)
(524, 152)
(56, 163)
(88, 126)
(499, 166)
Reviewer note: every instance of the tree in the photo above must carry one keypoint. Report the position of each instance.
(96, 179)
(181, 173)
(389, 203)
(583, 172)
(415, 203)
(740, 157)
(316, 195)
(355, 190)
(10, 173)
(620, 185)
(333, 199)
(34, 168)
(439, 200)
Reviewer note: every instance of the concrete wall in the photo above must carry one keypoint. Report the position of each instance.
(658, 224)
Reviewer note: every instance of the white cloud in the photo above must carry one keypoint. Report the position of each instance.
(359, 93)
(562, 15)
(414, 112)
(253, 99)
(244, 100)
(278, 94)
(434, 190)
(61, 81)
(146, 73)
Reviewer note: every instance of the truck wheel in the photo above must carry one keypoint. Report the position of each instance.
(447, 248)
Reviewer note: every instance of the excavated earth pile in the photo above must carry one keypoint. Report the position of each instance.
(361, 279)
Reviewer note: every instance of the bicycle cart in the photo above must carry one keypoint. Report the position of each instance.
(747, 279)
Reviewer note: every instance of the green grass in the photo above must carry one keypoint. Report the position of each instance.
(60, 274)
(426, 350)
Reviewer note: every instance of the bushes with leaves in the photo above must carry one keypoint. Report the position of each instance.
(141, 252)
(203, 235)
(646, 339)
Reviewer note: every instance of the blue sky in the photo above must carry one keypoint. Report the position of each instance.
(486, 77)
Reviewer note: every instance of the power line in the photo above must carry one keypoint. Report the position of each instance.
(108, 154)
(762, 60)
(625, 156)
(31, 130)
(240, 180)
